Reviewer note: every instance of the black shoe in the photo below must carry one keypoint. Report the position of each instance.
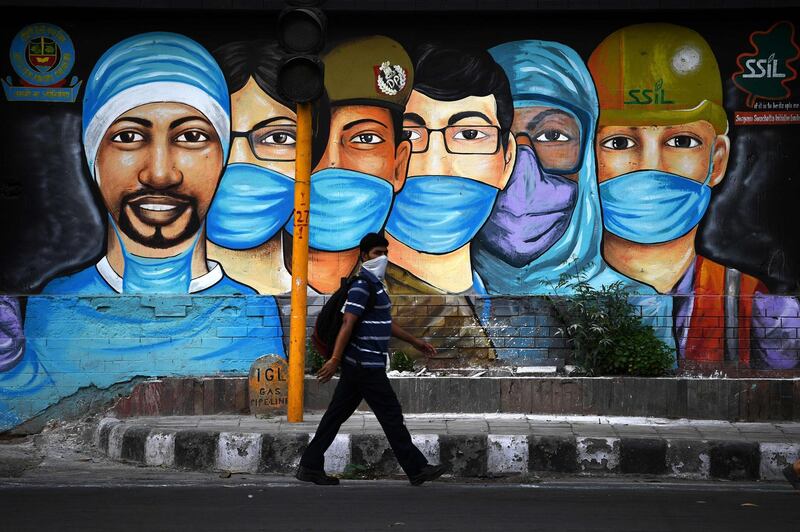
(791, 476)
(317, 477)
(429, 472)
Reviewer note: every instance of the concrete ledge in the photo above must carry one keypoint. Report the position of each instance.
(519, 451)
(723, 399)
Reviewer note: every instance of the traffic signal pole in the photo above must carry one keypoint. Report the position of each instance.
(297, 327)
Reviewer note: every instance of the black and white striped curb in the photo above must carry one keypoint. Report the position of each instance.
(468, 455)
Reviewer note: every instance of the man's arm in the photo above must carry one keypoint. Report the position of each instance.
(328, 370)
(421, 345)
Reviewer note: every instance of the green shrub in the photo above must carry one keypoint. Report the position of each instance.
(606, 335)
(314, 361)
(402, 362)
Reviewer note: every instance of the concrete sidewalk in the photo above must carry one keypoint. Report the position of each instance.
(475, 446)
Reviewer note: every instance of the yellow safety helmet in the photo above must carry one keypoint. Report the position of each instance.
(657, 74)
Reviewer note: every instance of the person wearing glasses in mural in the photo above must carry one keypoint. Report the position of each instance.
(255, 198)
(457, 121)
(156, 127)
(547, 223)
(368, 81)
(662, 145)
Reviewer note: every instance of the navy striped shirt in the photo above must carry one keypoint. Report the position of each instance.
(369, 343)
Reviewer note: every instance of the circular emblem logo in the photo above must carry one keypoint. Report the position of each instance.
(42, 55)
(390, 79)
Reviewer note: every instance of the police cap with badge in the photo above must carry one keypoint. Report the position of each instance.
(372, 70)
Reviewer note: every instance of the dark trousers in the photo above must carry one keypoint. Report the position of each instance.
(372, 385)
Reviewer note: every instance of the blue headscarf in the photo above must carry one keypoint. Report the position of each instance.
(148, 68)
(550, 74)
(543, 73)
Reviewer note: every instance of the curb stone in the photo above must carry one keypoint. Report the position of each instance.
(468, 455)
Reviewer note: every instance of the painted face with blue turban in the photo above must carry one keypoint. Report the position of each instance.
(156, 131)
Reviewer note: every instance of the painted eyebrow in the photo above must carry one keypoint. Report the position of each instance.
(414, 117)
(178, 122)
(468, 114)
(541, 116)
(135, 120)
(268, 121)
(362, 121)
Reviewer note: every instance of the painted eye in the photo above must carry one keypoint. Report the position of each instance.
(469, 134)
(552, 135)
(683, 141)
(619, 143)
(410, 134)
(282, 138)
(367, 138)
(192, 136)
(127, 137)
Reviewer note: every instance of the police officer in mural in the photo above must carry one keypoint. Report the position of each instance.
(368, 81)
(661, 146)
(362, 349)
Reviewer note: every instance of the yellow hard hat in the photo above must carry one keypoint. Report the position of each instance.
(657, 74)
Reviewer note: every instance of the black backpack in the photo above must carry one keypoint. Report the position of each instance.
(329, 320)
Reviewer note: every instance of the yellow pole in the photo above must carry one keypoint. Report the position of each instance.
(297, 326)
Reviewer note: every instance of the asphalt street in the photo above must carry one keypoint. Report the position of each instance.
(286, 505)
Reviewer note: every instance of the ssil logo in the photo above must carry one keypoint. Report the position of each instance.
(764, 72)
(657, 95)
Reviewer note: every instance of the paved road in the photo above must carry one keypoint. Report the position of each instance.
(284, 505)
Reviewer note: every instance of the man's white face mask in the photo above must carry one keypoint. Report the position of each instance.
(377, 266)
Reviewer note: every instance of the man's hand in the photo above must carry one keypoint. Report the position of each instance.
(425, 348)
(328, 370)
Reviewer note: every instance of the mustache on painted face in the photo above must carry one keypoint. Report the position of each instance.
(157, 209)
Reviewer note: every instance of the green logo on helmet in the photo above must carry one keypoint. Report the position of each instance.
(657, 95)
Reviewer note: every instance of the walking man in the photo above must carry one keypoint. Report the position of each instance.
(361, 348)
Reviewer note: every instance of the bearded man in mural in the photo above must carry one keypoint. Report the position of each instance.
(255, 198)
(662, 145)
(156, 129)
(367, 81)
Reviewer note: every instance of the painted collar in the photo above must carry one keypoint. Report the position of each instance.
(198, 284)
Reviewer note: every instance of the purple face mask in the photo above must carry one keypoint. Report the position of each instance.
(531, 214)
(12, 338)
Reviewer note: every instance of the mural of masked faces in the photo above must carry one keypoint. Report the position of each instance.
(361, 168)
(255, 197)
(555, 136)
(158, 166)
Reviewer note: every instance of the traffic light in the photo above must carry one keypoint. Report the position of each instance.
(301, 34)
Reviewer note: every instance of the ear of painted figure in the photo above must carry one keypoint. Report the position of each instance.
(440, 213)
(345, 205)
(149, 275)
(651, 206)
(250, 206)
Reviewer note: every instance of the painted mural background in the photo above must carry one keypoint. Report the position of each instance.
(147, 226)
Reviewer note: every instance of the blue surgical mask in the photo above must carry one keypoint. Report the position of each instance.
(345, 205)
(250, 207)
(651, 206)
(147, 275)
(439, 213)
